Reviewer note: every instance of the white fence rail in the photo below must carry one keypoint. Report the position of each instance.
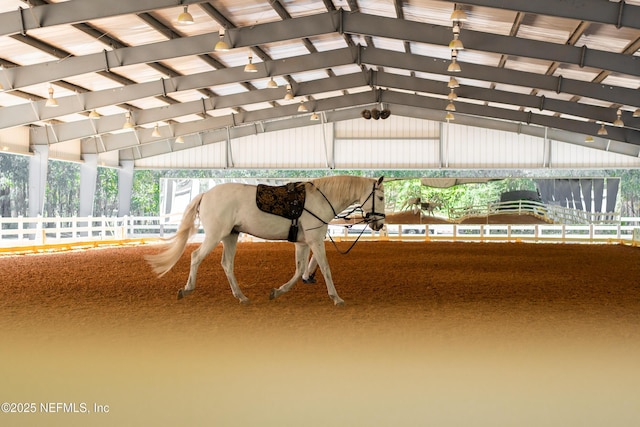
(549, 213)
(42, 232)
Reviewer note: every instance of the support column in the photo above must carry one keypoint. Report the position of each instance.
(88, 182)
(38, 167)
(125, 187)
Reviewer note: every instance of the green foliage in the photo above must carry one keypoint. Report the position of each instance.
(62, 196)
(105, 202)
(14, 185)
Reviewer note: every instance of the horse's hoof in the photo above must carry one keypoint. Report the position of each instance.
(310, 281)
(245, 301)
(180, 294)
(339, 303)
(272, 294)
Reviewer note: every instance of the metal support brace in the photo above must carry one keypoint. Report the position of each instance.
(620, 9)
(106, 61)
(541, 106)
(229, 153)
(529, 115)
(22, 29)
(583, 53)
(164, 89)
(204, 108)
(559, 87)
(340, 21)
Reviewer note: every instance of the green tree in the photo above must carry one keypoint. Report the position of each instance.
(62, 196)
(106, 197)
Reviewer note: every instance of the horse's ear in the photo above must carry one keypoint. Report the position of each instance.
(380, 180)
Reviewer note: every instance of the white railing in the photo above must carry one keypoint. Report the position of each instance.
(42, 232)
(549, 213)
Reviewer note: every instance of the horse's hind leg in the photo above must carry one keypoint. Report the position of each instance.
(196, 258)
(302, 255)
(228, 255)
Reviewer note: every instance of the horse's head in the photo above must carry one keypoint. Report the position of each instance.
(373, 206)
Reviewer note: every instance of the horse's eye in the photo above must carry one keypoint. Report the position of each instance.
(381, 198)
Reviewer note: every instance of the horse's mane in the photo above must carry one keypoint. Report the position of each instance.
(336, 187)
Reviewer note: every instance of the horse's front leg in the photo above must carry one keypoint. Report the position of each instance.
(321, 258)
(302, 254)
(309, 275)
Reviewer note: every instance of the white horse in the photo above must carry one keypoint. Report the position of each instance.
(229, 209)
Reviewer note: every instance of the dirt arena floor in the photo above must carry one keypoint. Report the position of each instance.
(439, 334)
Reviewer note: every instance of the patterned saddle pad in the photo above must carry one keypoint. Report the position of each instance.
(285, 200)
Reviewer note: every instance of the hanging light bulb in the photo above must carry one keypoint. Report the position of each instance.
(588, 138)
(636, 113)
(458, 15)
(180, 140)
(449, 116)
(302, 108)
(94, 115)
(454, 67)
(456, 43)
(288, 96)
(452, 95)
(185, 18)
(315, 117)
(450, 106)
(51, 101)
(128, 124)
(453, 83)
(221, 46)
(250, 67)
(272, 84)
(156, 132)
(602, 131)
(618, 121)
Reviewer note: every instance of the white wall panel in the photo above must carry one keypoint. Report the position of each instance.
(475, 148)
(291, 149)
(387, 153)
(575, 156)
(15, 140)
(211, 156)
(68, 150)
(393, 127)
(395, 143)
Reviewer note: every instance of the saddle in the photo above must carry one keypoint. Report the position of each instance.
(286, 201)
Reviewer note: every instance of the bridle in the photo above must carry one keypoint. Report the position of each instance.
(368, 217)
(373, 215)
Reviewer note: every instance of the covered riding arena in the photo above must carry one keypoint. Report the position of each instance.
(431, 334)
(434, 332)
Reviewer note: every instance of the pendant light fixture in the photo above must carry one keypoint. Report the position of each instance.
(250, 67)
(128, 124)
(51, 101)
(272, 84)
(185, 18)
(618, 121)
(156, 132)
(602, 131)
(289, 95)
(222, 45)
(454, 67)
(94, 115)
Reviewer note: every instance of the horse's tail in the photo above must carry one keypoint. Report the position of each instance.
(164, 261)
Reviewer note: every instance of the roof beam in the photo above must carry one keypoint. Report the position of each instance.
(17, 22)
(143, 136)
(24, 114)
(315, 25)
(604, 12)
(49, 15)
(84, 129)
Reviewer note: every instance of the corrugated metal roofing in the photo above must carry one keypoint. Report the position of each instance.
(544, 63)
